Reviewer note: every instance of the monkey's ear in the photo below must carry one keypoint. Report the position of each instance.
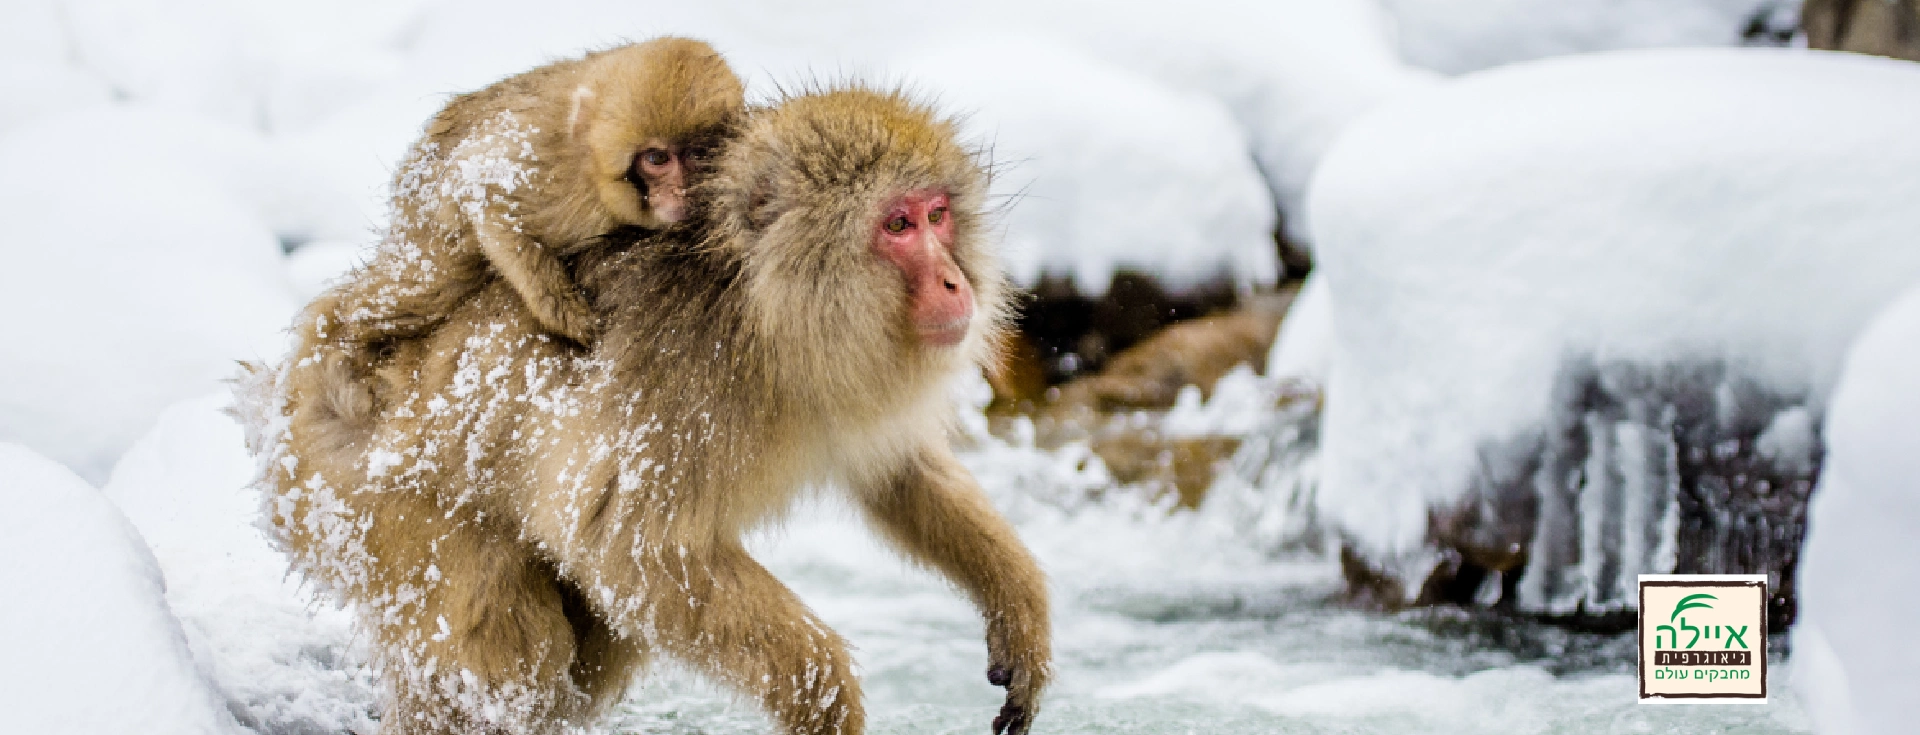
(584, 104)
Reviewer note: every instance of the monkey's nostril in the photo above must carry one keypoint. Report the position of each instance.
(951, 286)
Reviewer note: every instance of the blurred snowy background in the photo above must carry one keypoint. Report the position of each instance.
(1557, 302)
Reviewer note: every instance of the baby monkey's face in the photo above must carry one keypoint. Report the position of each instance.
(663, 169)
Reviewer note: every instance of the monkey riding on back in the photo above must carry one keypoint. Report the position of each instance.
(530, 520)
(509, 181)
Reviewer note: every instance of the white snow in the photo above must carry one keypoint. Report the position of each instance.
(134, 280)
(1294, 73)
(1455, 36)
(89, 645)
(1860, 572)
(284, 663)
(316, 265)
(1102, 161)
(1746, 206)
(1304, 347)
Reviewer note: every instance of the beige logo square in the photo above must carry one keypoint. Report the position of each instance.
(1703, 638)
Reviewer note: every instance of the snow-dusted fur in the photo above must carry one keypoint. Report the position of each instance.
(525, 521)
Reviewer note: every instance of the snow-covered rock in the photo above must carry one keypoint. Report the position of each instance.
(1590, 299)
(1104, 168)
(1861, 570)
(285, 664)
(133, 281)
(1456, 36)
(1304, 347)
(90, 645)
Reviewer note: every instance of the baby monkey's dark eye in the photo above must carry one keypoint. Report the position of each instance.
(897, 225)
(655, 157)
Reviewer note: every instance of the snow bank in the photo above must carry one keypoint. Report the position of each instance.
(285, 665)
(276, 186)
(134, 279)
(91, 648)
(1293, 73)
(1456, 36)
(270, 65)
(1655, 241)
(1861, 570)
(1104, 168)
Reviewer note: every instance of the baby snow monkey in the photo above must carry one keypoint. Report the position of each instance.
(511, 179)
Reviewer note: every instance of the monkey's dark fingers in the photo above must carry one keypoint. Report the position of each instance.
(1012, 720)
(1000, 676)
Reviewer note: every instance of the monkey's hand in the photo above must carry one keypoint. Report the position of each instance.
(567, 315)
(1022, 665)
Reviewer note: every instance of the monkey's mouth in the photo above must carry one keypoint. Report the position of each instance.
(945, 334)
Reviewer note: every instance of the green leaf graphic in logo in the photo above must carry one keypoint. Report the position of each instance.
(1690, 602)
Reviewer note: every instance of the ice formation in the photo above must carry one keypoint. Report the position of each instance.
(1575, 297)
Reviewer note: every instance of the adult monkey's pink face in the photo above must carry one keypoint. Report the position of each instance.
(915, 234)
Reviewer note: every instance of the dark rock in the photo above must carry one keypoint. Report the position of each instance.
(1074, 334)
(1888, 28)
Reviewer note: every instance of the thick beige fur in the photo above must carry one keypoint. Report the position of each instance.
(522, 521)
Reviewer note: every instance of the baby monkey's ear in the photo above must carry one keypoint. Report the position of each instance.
(585, 103)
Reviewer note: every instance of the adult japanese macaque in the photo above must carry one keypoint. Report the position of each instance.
(531, 520)
(509, 180)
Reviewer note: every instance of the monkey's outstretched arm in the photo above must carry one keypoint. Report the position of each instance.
(724, 614)
(537, 274)
(934, 512)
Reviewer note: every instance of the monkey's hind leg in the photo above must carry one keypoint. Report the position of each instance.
(537, 274)
(470, 629)
(604, 661)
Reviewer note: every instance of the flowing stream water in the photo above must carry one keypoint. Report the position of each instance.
(1174, 623)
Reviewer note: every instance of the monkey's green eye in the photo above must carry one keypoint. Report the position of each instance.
(936, 215)
(897, 225)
